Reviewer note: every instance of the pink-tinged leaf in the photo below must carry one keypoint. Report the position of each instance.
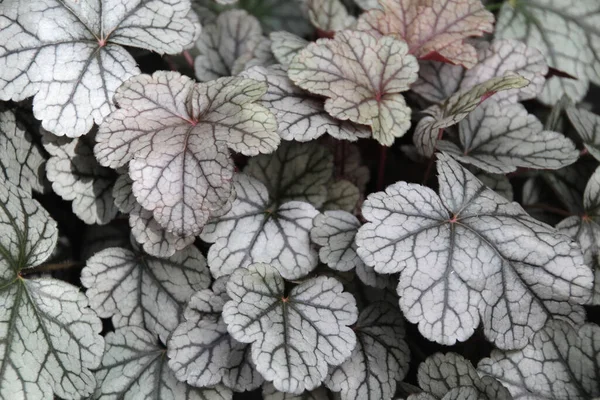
(434, 29)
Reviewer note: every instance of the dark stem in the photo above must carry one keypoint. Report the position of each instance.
(381, 171)
(550, 209)
(171, 63)
(47, 268)
(188, 57)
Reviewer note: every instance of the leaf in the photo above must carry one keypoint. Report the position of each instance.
(22, 162)
(261, 313)
(585, 229)
(276, 15)
(260, 56)
(438, 80)
(362, 77)
(367, 4)
(70, 55)
(76, 176)
(560, 362)
(135, 366)
(456, 108)
(342, 195)
(380, 358)
(50, 338)
(300, 115)
(270, 393)
(330, 15)
(566, 33)
(155, 240)
(497, 182)
(433, 29)
(500, 138)
(176, 135)
(286, 45)
(234, 33)
(334, 231)
(202, 353)
(350, 166)
(468, 254)
(587, 126)
(261, 228)
(136, 289)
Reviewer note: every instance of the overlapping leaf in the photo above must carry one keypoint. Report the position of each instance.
(567, 34)
(136, 289)
(587, 125)
(286, 45)
(433, 29)
(260, 55)
(50, 338)
(500, 138)
(300, 115)
(295, 336)
(329, 15)
(362, 77)
(468, 254)
(342, 195)
(560, 362)
(379, 360)
(270, 393)
(135, 366)
(70, 54)
(177, 135)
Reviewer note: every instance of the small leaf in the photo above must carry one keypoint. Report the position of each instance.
(260, 313)
(286, 45)
(500, 138)
(270, 393)
(379, 360)
(137, 289)
(559, 363)
(470, 253)
(177, 135)
(76, 176)
(362, 76)
(300, 115)
(587, 126)
(329, 15)
(432, 29)
(70, 55)
(134, 366)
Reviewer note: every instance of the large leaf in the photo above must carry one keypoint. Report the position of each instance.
(379, 360)
(433, 29)
(76, 176)
(295, 336)
(22, 162)
(201, 351)
(300, 115)
(566, 32)
(468, 254)
(559, 363)
(362, 77)
(137, 289)
(177, 135)
(587, 125)
(500, 138)
(69, 54)
(134, 366)
(49, 337)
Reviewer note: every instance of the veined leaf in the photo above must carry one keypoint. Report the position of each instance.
(286, 45)
(587, 126)
(270, 393)
(329, 15)
(342, 195)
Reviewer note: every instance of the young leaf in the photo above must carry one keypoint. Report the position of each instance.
(202, 353)
(560, 362)
(467, 253)
(22, 162)
(362, 77)
(155, 240)
(137, 289)
(234, 33)
(379, 360)
(262, 313)
(587, 126)
(270, 393)
(300, 115)
(70, 55)
(286, 45)
(500, 138)
(335, 232)
(566, 32)
(261, 228)
(50, 338)
(434, 30)
(329, 15)
(135, 366)
(342, 195)
(76, 176)
(177, 135)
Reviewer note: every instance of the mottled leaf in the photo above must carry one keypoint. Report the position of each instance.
(49, 337)
(286, 45)
(177, 135)
(560, 362)
(329, 15)
(587, 126)
(70, 54)
(362, 77)
(295, 336)
(138, 289)
(468, 254)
